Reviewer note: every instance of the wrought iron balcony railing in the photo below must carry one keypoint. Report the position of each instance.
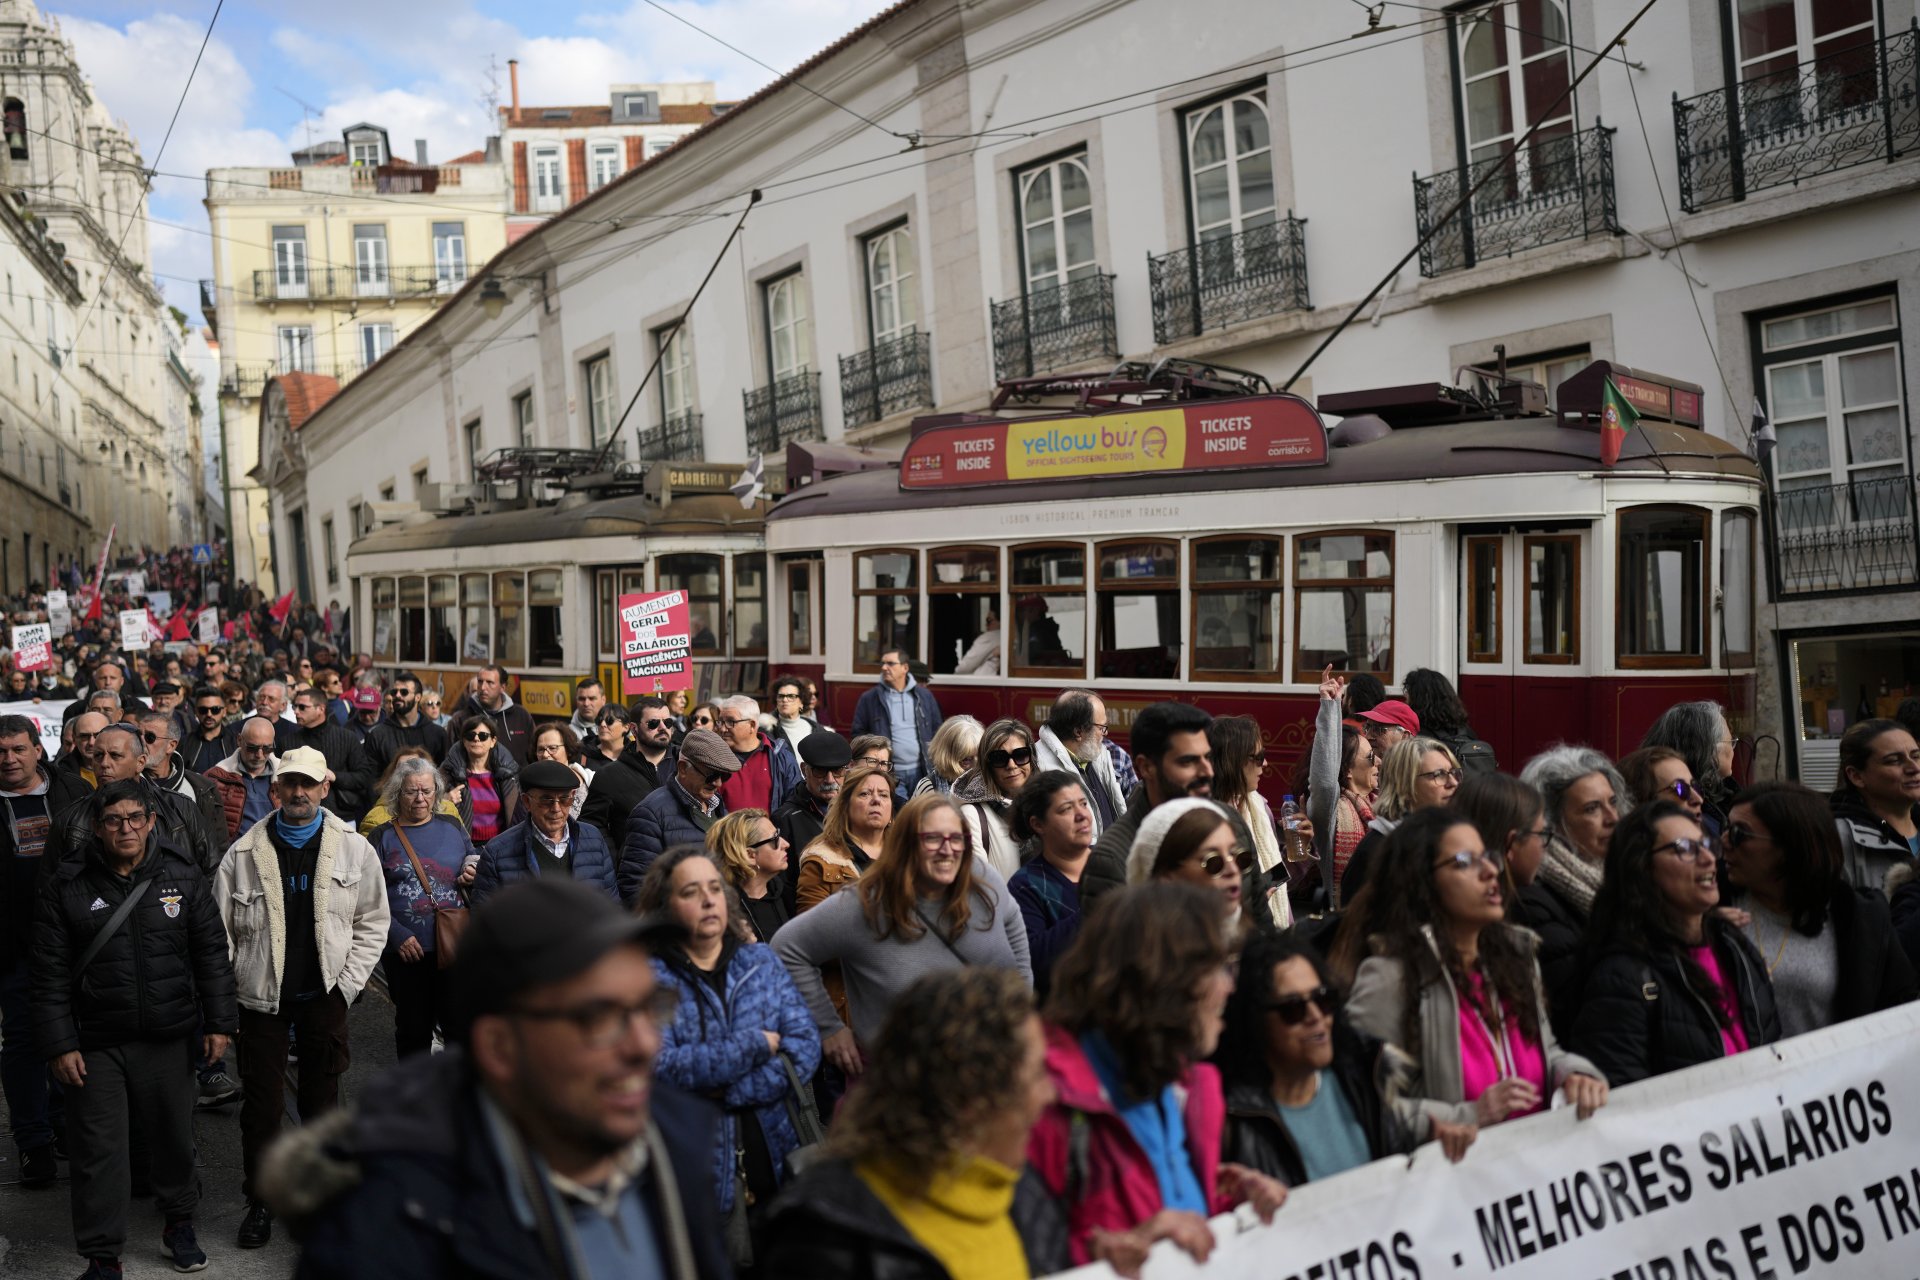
(678, 439)
(1855, 106)
(1857, 536)
(248, 381)
(1049, 328)
(1227, 279)
(788, 409)
(888, 378)
(307, 283)
(1556, 189)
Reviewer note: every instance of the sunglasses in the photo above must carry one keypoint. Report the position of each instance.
(1215, 864)
(1737, 836)
(1466, 861)
(761, 844)
(656, 724)
(150, 736)
(1680, 788)
(717, 779)
(1022, 756)
(479, 737)
(215, 710)
(1258, 757)
(1293, 1009)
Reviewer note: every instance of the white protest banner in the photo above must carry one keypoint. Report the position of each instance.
(136, 584)
(1800, 1159)
(33, 646)
(161, 602)
(135, 631)
(48, 720)
(59, 613)
(207, 626)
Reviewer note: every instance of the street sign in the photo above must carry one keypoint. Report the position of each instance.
(202, 553)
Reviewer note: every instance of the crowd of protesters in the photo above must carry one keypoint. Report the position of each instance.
(744, 994)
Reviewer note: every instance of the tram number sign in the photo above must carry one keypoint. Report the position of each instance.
(656, 643)
(1215, 435)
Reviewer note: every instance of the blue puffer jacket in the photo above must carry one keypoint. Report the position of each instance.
(719, 1052)
(508, 859)
(659, 822)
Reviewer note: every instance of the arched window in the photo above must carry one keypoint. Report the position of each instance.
(890, 302)
(1056, 222)
(1230, 156)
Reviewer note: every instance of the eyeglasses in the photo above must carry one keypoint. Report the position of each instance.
(259, 749)
(1439, 775)
(1685, 849)
(786, 697)
(415, 793)
(727, 722)
(601, 1023)
(125, 821)
(1100, 727)
(889, 662)
(775, 838)
(1681, 788)
(1215, 864)
(1293, 1009)
(1467, 860)
(1737, 836)
(554, 799)
(875, 762)
(934, 841)
(1022, 756)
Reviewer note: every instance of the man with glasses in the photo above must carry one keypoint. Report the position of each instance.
(789, 710)
(1074, 740)
(679, 811)
(305, 901)
(83, 756)
(633, 772)
(1389, 723)
(210, 740)
(120, 995)
(824, 757)
(540, 1138)
(353, 773)
(902, 711)
(122, 756)
(548, 843)
(405, 725)
(270, 700)
(165, 767)
(244, 780)
(768, 770)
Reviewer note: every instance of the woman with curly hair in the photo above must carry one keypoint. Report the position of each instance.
(752, 855)
(1132, 1141)
(1438, 972)
(922, 1179)
(1583, 794)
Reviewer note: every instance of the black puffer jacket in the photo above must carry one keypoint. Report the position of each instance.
(1560, 927)
(351, 794)
(617, 788)
(19, 883)
(1639, 1018)
(1906, 919)
(1365, 1071)
(181, 823)
(158, 978)
(1869, 846)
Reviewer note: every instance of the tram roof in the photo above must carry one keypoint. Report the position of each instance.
(1512, 446)
(627, 517)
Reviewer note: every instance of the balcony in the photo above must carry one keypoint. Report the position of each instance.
(1557, 189)
(1839, 538)
(888, 378)
(678, 439)
(788, 409)
(310, 283)
(248, 381)
(1221, 281)
(1050, 328)
(1860, 105)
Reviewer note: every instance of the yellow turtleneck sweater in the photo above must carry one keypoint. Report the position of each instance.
(964, 1219)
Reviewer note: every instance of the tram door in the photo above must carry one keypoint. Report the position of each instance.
(608, 586)
(1523, 641)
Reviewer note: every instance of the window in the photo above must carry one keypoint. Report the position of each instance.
(1343, 602)
(476, 619)
(296, 349)
(15, 123)
(449, 255)
(365, 154)
(596, 379)
(886, 606)
(1486, 600)
(963, 611)
(371, 277)
(549, 190)
(803, 634)
(1550, 371)
(289, 262)
(1236, 607)
(472, 433)
(1662, 594)
(375, 341)
(1049, 590)
(442, 617)
(419, 481)
(1230, 166)
(750, 603)
(1773, 37)
(1056, 223)
(413, 619)
(386, 636)
(786, 306)
(702, 577)
(1838, 413)
(609, 585)
(523, 426)
(656, 146)
(545, 647)
(386, 493)
(1736, 588)
(333, 557)
(1515, 66)
(676, 371)
(1553, 598)
(605, 164)
(509, 619)
(891, 305)
(1138, 597)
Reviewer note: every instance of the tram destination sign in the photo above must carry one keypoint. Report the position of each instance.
(1213, 435)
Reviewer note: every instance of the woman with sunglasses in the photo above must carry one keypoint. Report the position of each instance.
(704, 716)
(1336, 781)
(1829, 948)
(851, 836)
(612, 733)
(1239, 762)
(1415, 773)
(1304, 1089)
(1196, 842)
(1003, 764)
(482, 776)
(1659, 773)
(1437, 971)
(1699, 732)
(430, 708)
(753, 855)
(1054, 811)
(1669, 983)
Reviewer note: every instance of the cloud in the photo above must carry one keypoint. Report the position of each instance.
(450, 127)
(780, 33)
(326, 60)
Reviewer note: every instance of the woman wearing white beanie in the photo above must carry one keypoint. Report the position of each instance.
(1195, 842)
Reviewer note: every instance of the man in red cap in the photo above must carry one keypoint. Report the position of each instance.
(1390, 722)
(363, 702)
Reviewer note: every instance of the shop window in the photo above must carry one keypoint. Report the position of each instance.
(1236, 608)
(703, 578)
(442, 616)
(1049, 591)
(544, 593)
(385, 633)
(1662, 594)
(1553, 598)
(1486, 594)
(1343, 604)
(1736, 588)
(963, 611)
(476, 618)
(886, 606)
(1138, 602)
(750, 603)
(413, 619)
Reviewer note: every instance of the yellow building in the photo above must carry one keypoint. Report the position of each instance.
(321, 267)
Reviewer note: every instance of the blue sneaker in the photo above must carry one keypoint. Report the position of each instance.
(180, 1245)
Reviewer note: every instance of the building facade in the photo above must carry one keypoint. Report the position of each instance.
(321, 267)
(961, 193)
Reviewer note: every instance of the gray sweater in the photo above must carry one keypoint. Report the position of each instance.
(877, 971)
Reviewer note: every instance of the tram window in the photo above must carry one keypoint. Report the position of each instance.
(442, 605)
(800, 606)
(701, 576)
(386, 634)
(544, 640)
(1736, 588)
(476, 630)
(1485, 597)
(886, 614)
(413, 619)
(1138, 596)
(509, 619)
(1343, 591)
(606, 617)
(750, 603)
(1662, 595)
(1236, 607)
(1553, 598)
(963, 611)
(1049, 610)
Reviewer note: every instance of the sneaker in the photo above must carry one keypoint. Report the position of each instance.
(38, 1168)
(216, 1088)
(102, 1269)
(180, 1245)
(257, 1227)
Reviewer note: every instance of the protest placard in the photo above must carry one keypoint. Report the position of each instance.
(33, 646)
(136, 632)
(207, 626)
(59, 613)
(656, 637)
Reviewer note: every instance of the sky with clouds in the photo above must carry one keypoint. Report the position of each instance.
(418, 67)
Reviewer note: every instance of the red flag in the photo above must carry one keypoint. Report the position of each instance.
(179, 627)
(282, 607)
(100, 576)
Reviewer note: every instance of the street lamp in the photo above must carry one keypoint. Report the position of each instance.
(493, 297)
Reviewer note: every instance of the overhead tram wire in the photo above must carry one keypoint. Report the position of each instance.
(1466, 196)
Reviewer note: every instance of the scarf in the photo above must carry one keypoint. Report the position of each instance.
(298, 836)
(1569, 875)
(1266, 848)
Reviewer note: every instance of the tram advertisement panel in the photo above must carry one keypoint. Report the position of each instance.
(656, 643)
(1214, 435)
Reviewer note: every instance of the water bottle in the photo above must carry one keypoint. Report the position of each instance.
(1295, 849)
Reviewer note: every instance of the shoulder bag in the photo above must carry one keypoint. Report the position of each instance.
(448, 922)
(804, 1115)
(112, 926)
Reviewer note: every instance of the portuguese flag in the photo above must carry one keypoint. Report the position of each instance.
(1616, 419)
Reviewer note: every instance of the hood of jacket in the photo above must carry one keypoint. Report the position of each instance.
(232, 765)
(1870, 828)
(971, 788)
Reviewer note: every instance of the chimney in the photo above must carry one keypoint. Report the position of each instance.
(493, 149)
(513, 79)
(420, 152)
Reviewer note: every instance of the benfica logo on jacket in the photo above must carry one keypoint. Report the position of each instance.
(170, 903)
